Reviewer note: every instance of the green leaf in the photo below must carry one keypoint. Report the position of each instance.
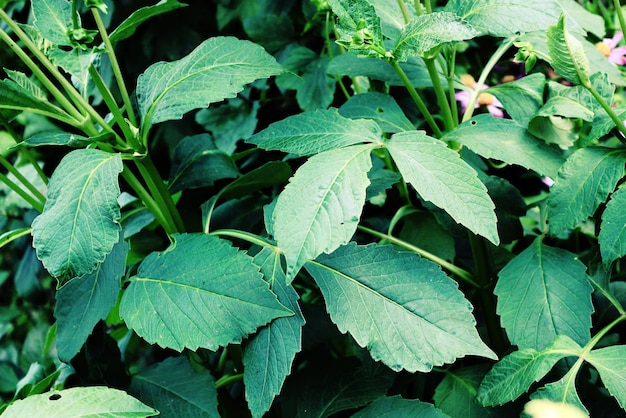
(587, 20)
(79, 224)
(584, 181)
(95, 401)
(197, 163)
(319, 209)
(505, 18)
(14, 96)
(217, 69)
(521, 98)
(563, 391)
(431, 30)
(567, 54)
(612, 238)
(565, 107)
(176, 390)
(395, 406)
(370, 290)
(544, 292)
(76, 62)
(57, 138)
(269, 354)
(610, 362)
(391, 18)
(505, 140)
(85, 300)
(270, 174)
(53, 20)
(229, 122)
(555, 130)
(456, 394)
(127, 28)
(199, 292)
(379, 107)
(513, 375)
(358, 27)
(440, 176)
(314, 132)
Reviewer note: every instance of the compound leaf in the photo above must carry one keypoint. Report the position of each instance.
(403, 308)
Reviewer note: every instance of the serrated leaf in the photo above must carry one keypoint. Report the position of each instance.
(319, 209)
(197, 163)
(587, 20)
(127, 28)
(505, 18)
(428, 31)
(567, 54)
(610, 362)
(75, 62)
(269, 354)
(217, 69)
(513, 375)
(584, 181)
(440, 176)
(229, 122)
(200, 292)
(85, 300)
(79, 402)
(379, 107)
(370, 290)
(53, 20)
(176, 390)
(15, 97)
(456, 394)
(563, 391)
(521, 98)
(612, 238)
(391, 18)
(314, 132)
(544, 292)
(565, 107)
(79, 224)
(395, 406)
(358, 27)
(505, 140)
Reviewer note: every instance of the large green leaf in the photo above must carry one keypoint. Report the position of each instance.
(127, 28)
(610, 362)
(544, 292)
(403, 308)
(428, 31)
(320, 208)
(217, 69)
(177, 390)
(379, 107)
(440, 176)
(95, 401)
(269, 354)
(16, 97)
(513, 375)
(584, 181)
(79, 224)
(521, 98)
(358, 27)
(506, 17)
(456, 394)
(612, 238)
(200, 292)
(313, 132)
(85, 300)
(395, 406)
(567, 54)
(53, 20)
(505, 140)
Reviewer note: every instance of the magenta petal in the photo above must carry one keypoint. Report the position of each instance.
(498, 113)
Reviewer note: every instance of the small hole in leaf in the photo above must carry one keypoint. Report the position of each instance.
(55, 397)
(380, 110)
(473, 122)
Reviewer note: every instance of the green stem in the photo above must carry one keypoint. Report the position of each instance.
(416, 98)
(246, 236)
(440, 92)
(37, 205)
(227, 380)
(457, 271)
(620, 15)
(329, 47)
(25, 152)
(451, 61)
(75, 23)
(20, 177)
(403, 189)
(619, 124)
(429, 7)
(418, 7)
(405, 12)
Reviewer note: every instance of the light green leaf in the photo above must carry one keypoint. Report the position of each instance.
(563, 390)
(612, 238)
(379, 107)
(587, 20)
(79, 224)
(57, 138)
(441, 177)
(506, 18)
(395, 406)
(544, 292)
(315, 88)
(428, 31)
(269, 354)
(314, 132)
(217, 69)
(176, 390)
(505, 140)
(521, 98)
(584, 181)
(127, 28)
(567, 54)
(95, 401)
(358, 27)
(14, 96)
(199, 292)
(391, 18)
(403, 308)
(610, 362)
(319, 209)
(85, 300)
(514, 374)
(53, 20)
(197, 163)
(75, 62)
(555, 130)
(565, 107)
(271, 173)
(456, 394)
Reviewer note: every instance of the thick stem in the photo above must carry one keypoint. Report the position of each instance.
(620, 15)
(227, 380)
(405, 12)
(329, 47)
(246, 236)
(429, 7)
(440, 92)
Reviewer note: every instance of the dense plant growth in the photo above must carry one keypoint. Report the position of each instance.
(312, 208)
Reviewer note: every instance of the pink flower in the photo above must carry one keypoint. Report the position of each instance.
(608, 47)
(493, 105)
